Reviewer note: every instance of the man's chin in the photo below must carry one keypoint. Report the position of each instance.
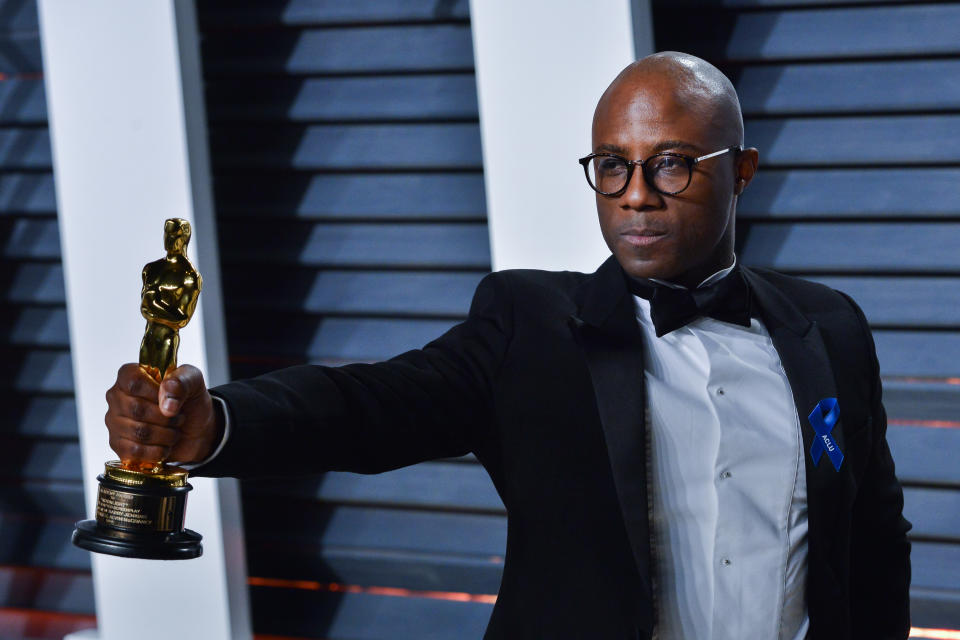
(647, 268)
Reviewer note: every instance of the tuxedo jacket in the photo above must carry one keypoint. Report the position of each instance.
(544, 383)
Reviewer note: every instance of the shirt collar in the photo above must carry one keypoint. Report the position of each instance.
(710, 280)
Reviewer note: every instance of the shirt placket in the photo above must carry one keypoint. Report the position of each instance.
(727, 569)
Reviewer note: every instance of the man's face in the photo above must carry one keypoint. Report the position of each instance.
(685, 237)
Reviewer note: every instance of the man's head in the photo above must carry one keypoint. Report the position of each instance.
(176, 235)
(673, 102)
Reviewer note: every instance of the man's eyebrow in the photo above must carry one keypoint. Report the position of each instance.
(675, 144)
(660, 146)
(610, 148)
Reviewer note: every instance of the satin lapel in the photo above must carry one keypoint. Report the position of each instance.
(807, 366)
(606, 328)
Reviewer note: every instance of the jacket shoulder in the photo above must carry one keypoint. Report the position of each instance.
(528, 279)
(840, 318)
(534, 294)
(814, 299)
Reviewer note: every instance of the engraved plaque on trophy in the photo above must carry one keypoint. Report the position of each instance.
(141, 506)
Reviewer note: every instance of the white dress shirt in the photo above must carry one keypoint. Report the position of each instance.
(728, 491)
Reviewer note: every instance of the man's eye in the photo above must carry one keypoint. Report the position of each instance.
(669, 164)
(611, 166)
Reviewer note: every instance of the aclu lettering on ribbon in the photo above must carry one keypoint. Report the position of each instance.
(823, 417)
(826, 441)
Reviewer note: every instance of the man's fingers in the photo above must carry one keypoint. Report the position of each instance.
(143, 433)
(130, 451)
(121, 406)
(133, 381)
(178, 387)
(147, 411)
(146, 421)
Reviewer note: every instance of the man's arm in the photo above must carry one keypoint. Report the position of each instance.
(880, 551)
(427, 403)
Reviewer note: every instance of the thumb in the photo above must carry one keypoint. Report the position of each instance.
(178, 387)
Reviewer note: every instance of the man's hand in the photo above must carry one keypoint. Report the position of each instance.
(151, 423)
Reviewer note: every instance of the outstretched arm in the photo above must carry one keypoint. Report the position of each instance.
(427, 403)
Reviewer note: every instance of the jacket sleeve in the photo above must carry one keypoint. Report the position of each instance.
(427, 403)
(880, 551)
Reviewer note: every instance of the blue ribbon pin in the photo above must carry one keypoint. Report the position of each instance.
(823, 417)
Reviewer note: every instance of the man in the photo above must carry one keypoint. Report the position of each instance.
(686, 448)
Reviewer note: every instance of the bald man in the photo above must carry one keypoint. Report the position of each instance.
(687, 448)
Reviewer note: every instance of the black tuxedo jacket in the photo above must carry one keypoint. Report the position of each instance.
(544, 383)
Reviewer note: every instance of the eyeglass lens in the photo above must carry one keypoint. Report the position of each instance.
(666, 173)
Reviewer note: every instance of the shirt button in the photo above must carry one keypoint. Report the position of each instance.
(720, 391)
(725, 562)
(724, 475)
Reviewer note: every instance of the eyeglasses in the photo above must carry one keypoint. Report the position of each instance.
(668, 173)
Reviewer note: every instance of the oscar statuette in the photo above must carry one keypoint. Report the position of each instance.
(141, 506)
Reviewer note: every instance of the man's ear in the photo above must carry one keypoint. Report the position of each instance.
(746, 168)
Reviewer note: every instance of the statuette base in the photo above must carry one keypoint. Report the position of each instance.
(183, 545)
(140, 514)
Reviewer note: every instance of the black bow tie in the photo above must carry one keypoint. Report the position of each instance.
(727, 299)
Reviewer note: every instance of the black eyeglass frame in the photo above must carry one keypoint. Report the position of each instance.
(689, 160)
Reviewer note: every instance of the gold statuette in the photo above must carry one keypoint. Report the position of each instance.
(171, 288)
(141, 506)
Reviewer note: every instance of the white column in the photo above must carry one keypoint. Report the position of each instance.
(541, 67)
(128, 131)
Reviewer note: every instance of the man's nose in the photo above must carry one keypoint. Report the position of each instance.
(640, 195)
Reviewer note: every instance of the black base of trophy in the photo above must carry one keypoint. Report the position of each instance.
(180, 545)
(140, 514)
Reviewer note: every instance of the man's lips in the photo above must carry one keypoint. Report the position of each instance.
(642, 237)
